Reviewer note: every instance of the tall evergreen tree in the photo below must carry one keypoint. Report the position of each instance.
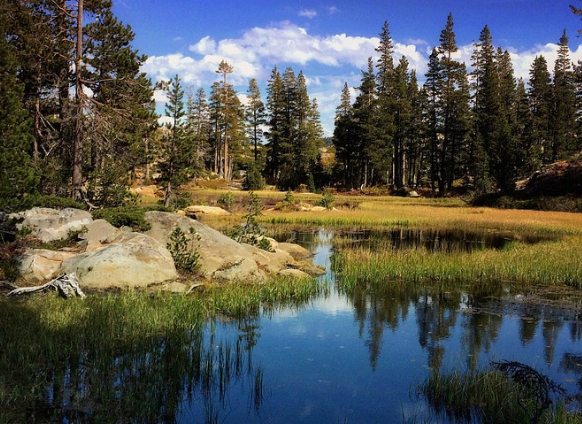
(224, 68)
(485, 88)
(402, 121)
(197, 127)
(564, 112)
(255, 116)
(17, 177)
(365, 119)
(277, 121)
(382, 147)
(173, 168)
(344, 140)
(66, 50)
(454, 109)
(433, 89)
(541, 98)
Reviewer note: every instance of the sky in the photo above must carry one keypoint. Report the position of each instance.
(331, 40)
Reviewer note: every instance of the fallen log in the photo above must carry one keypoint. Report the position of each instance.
(66, 284)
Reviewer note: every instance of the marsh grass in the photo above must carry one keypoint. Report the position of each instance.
(131, 356)
(488, 397)
(544, 263)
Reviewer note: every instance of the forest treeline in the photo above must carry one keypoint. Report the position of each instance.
(78, 117)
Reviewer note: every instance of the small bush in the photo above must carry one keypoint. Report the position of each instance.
(57, 202)
(253, 179)
(327, 199)
(288, 203)
(125, 216)
(251, 232)
(180, 246)
(226, 201)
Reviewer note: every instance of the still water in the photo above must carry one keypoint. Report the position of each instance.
(359, 358)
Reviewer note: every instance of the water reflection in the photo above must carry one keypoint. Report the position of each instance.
(181, 376)
(353, 355)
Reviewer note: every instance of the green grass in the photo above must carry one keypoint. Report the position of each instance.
(544, 263)
(489, 397)
(124, 357)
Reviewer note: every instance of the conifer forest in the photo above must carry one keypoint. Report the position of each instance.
(78, 117)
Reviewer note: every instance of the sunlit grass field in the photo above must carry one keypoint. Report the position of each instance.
(554, 260)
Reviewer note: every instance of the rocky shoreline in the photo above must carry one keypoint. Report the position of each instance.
(107, 257)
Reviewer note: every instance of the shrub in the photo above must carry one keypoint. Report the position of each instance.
(288, 203)
(57, 202)
(327, 199)
(226, 201)
(253, 179)
(251, 232)
(181, 247)
(128, 216)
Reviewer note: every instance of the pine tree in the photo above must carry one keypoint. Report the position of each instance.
(365, 118)
(175, 160)
(524, 125)
(197, 127)
(382, 154)
(344, 140)
(65, 50)
(17, 177)
(224, 68)
(277, 121)
(433, 89)
(564, 113)
(402, 121)
(541, 98)
(455, 109)
(255, 116)
(418, 149)
(486, 112)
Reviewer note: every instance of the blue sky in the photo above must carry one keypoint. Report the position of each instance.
(330, 41)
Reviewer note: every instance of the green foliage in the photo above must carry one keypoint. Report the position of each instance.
(226, 201)
(109, 188)
(186, 257)
(288, 203)
(253, 178)
(17, 175)
(128, 216)
(327, 199)
(176, 202)
(57, 202)
(9, 269)
(250, 232)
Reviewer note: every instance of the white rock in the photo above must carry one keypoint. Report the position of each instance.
(48, 224)
(40, 265)
(131, 260)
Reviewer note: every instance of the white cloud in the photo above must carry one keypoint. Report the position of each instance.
(308, 13)
(332, 10)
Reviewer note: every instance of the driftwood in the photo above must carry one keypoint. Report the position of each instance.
(66, 284)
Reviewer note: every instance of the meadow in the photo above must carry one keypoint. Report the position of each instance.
(543, 248)
(115, 354)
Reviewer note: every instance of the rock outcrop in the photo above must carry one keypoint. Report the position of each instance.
(199, 210)
(112, 258)
(48, 224)
(131, 260)
(221, 258)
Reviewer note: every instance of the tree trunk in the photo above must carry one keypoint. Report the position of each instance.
(78, 128)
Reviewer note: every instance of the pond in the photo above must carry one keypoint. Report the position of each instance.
(345, 357)
(359, 357)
